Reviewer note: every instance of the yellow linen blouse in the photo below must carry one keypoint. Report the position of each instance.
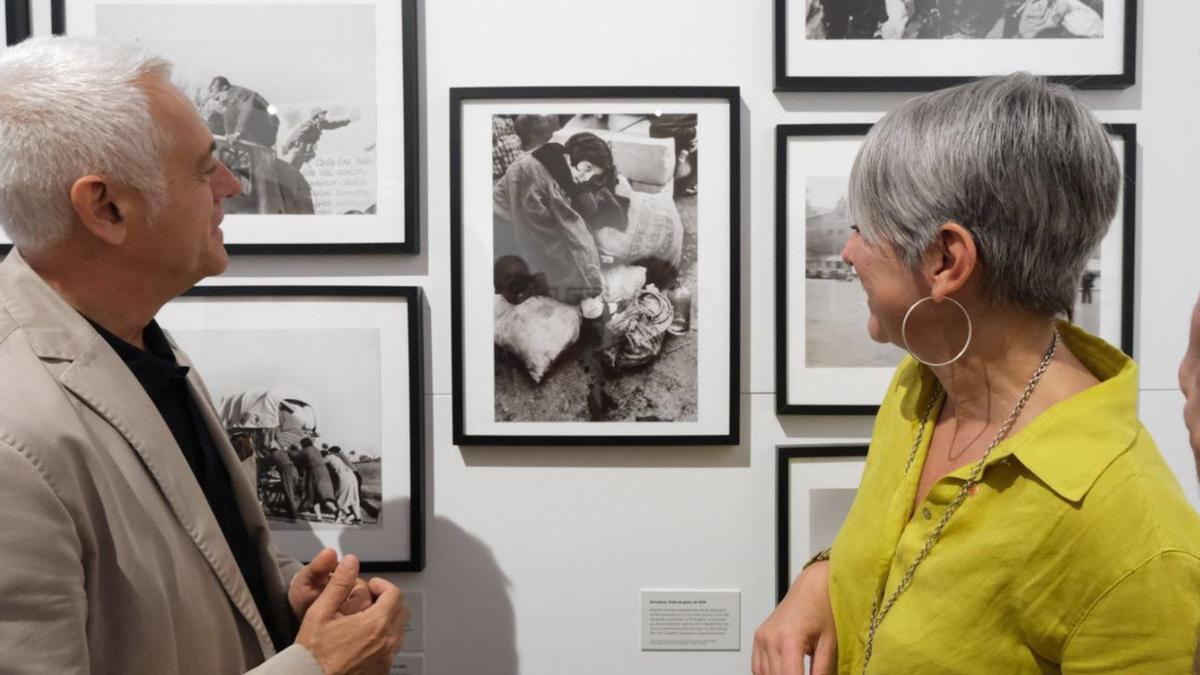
(1077, 554)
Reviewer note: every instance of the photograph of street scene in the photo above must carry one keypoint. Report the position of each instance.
(835, 326)
(836, 305)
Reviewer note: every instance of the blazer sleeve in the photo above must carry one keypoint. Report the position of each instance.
(43, 604)
(1146, 623)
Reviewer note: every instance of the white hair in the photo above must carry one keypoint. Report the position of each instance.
(1022, 164)
(70, 107)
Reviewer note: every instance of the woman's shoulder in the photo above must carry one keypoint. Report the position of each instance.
(910, 388)
(1136, 508)
(909, 395)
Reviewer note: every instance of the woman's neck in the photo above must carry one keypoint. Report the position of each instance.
(1005, 351)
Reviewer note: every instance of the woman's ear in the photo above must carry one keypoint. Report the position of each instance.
(953, 259)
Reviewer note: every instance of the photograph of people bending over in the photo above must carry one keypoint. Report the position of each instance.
(594, 248)
(301, 477)
(953, 19)
(307, 405)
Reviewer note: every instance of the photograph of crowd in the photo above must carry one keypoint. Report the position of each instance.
(953, 19)
(288, 91)
(594, 267)
(306, 404)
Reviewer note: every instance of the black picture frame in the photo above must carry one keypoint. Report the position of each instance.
(783, 133)
(412, 152)
(783, 491)
(413, 297)
(791, 83)
(461, 95)
(17, 21)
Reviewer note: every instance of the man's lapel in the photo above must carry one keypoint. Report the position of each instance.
(94, 373)
(102, 380)
(242, 483)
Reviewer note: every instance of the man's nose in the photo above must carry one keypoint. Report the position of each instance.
(227, 184)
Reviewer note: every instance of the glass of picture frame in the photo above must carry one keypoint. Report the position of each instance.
(815, 486)
(324, 386)
(306, 107)
(898, 45)
(595, 265)
(826, 363)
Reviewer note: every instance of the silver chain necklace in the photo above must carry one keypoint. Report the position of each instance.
(877, 614)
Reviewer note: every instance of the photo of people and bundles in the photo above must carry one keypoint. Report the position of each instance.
(595, 249)
(300, 476)
(953, 19)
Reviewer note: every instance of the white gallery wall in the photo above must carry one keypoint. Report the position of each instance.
(536, 556)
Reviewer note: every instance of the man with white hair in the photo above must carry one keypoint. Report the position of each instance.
(132, 540)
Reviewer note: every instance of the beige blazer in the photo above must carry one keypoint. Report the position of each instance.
(110, 558)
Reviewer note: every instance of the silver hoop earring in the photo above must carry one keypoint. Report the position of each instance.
(904, 332)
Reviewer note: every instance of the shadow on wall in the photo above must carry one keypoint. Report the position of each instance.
(827, 426)
(471, 626)
(470, 623)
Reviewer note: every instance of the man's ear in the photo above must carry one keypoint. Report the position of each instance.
(104, 207)
(953, 258)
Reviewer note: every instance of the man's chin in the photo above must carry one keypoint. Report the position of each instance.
(218, 261)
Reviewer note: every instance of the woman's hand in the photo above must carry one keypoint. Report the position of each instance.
(801, 625)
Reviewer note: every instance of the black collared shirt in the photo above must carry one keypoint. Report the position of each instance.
(165, 382)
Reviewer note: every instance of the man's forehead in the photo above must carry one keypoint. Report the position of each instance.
(178, 116)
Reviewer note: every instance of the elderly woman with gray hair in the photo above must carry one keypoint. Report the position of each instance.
(1014, 516)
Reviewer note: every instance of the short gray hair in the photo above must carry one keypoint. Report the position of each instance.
(1020, 163)
(70, 107)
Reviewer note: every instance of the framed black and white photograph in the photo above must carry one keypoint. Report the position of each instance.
(313, 104)
(826, 362)
(814, 488)
(594, 264)
(912, 45)
(323, 385)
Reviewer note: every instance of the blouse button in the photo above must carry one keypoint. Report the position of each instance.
(925, 512)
